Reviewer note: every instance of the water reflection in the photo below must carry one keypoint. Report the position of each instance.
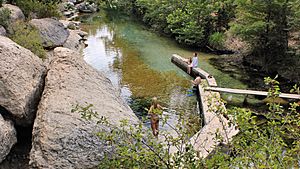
(137, 62)
(122, 63)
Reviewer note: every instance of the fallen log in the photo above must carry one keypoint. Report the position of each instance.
(182, 64)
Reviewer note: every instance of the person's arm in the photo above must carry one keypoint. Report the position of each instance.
(161, 107)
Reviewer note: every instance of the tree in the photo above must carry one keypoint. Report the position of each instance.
(191, 22)
(266, 24)
(269, 142)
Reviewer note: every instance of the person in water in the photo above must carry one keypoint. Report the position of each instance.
(154, 112)
(194, 63)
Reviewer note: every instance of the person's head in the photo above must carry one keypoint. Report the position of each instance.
(190, 59)
(197, 80)
(195, 54)
(154, 102)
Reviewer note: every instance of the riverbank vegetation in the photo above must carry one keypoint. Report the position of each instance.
(28, 36)
(39, 8)
(21, 31)
(268, 27)
(269, 141)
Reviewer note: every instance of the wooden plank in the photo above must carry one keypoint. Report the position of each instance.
(205, 140)
(180, 62)
(251, 92)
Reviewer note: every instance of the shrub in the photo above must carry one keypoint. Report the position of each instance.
(39, 8)
(216, 40)
(5, 18)
(28, 37)
(269, 142)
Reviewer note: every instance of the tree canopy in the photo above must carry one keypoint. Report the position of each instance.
(266, 25)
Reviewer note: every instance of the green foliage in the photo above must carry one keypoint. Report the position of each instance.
(28, 37)
(266, 25)
(216, 40)
(5, 18)
(39, 8)
(191, 22)
(85, 111)
(295, 89)
(136, 147)
(270, 141)
(1, 1)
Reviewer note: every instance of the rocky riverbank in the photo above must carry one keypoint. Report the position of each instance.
(38, 129)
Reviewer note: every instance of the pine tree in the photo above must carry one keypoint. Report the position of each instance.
(266, 24)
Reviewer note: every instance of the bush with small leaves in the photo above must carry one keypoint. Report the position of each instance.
(5, 17)
(39, 9)
(28, 37)
(270, 143)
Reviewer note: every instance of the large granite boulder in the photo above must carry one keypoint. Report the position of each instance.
(8, 137)
(2, 31)
(21, 81)
(15, 12)
(53, 32)
(62, 139)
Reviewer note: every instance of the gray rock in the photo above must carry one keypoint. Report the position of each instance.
(2, 31)
(86, 7)
(76, 1)
(83, 34)
(16, 12)
(74, 41)
(21, 81)
(62, 139)
(8, 137)
(53, 33)
(68, 13)
(70, 24)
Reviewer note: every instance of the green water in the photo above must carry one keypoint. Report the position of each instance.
(137, 61)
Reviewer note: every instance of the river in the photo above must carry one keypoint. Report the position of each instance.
(137, 61)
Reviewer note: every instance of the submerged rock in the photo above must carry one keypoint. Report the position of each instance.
(21, 81)
(62, 139)
(53, 32)
(8, 137)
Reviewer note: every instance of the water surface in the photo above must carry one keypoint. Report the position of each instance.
(137, 61)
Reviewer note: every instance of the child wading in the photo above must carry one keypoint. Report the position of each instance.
(154, 112)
